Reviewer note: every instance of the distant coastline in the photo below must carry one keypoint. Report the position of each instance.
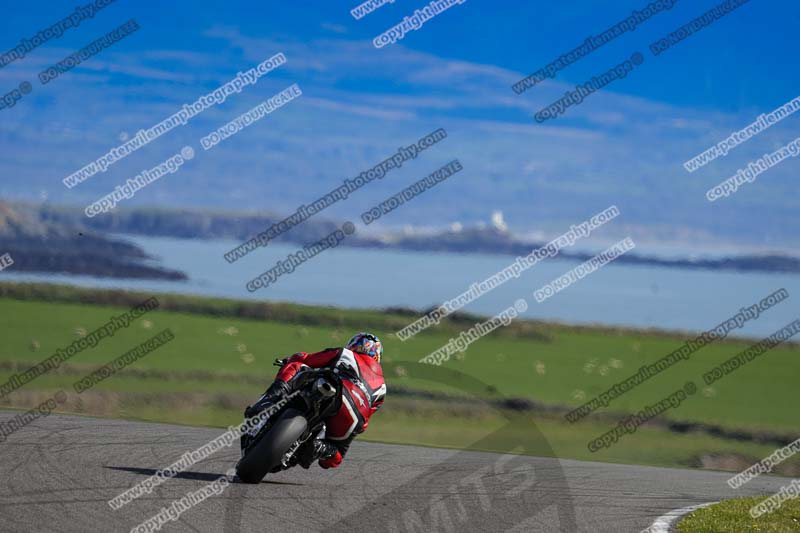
(491, 241)
(38, 245)
(97, 254)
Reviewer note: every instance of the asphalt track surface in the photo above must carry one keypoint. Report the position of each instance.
(59, 472)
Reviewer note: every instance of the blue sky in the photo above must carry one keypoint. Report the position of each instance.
(624, 145)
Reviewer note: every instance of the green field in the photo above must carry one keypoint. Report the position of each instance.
(220, 361)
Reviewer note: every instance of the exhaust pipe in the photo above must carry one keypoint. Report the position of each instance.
(325, 388)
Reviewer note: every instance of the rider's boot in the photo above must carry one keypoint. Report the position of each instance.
(317, 449)
(271, 396)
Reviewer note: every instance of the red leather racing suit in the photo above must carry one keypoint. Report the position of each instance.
(363, 391)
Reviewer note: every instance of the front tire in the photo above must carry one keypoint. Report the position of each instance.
(270, 449)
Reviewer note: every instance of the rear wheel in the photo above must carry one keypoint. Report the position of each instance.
(267, 453)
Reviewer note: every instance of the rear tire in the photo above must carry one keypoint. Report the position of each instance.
(270, 449)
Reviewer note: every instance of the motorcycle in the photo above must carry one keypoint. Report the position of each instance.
(279, 443)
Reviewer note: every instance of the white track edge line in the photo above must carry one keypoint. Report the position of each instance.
(663, 524)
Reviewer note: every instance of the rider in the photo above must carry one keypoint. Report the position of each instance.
(363, 391)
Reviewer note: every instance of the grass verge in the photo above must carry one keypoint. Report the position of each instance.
(734, 515)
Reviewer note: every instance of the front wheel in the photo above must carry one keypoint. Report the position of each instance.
(267, 453)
